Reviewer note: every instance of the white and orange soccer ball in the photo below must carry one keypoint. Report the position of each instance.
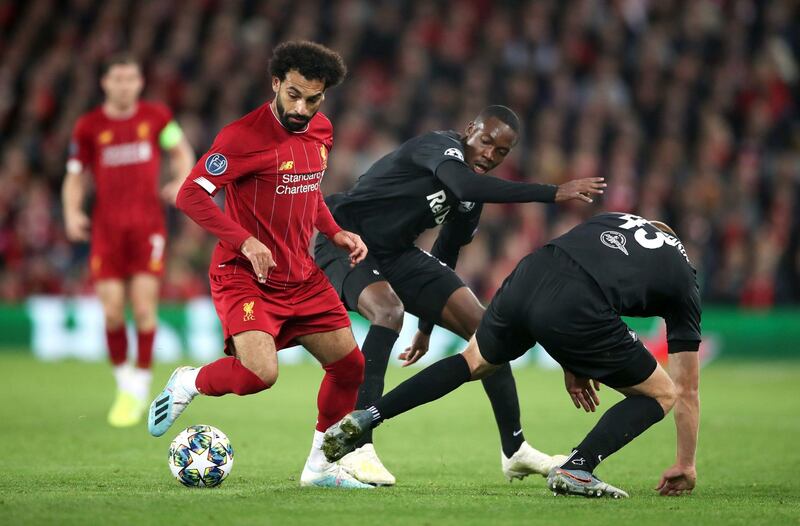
(201, 456)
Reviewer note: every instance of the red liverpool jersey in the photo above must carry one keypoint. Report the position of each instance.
(124, 158)
(271, 177)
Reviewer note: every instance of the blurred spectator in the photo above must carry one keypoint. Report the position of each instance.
(688, 108)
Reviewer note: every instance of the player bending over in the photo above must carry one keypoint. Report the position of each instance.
(267, 290)
(569, 296)
(119, 145)
(435, 179)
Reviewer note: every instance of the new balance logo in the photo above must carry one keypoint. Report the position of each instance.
(286, 165)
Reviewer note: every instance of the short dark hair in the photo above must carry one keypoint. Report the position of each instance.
(501, 113)
(124, 57)
(313, 61)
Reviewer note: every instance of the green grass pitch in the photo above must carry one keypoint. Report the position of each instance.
(64, 465)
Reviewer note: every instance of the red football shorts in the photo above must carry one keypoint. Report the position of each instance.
(119, 254)
(243, 304)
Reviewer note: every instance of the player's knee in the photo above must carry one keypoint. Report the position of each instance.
(114, 318)
(668, 397)
(263, 370)
(471, 322)
(269, 377)
(348, 370)
(390, 314)
(255, 382)
(144, 317)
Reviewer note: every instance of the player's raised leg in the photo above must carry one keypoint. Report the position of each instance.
(253, 369)
(428, 385)
(344, 371)
(125, 411)
(461, 314)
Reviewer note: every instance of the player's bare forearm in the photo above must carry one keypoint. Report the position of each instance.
(684, 369)
(72, 191)
(76, 222)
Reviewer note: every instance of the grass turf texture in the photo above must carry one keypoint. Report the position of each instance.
(64, 465)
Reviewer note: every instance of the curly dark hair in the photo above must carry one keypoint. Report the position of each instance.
(313, 61)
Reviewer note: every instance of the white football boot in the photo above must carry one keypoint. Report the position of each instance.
(172, 401)
(330, 475)
(364, 464)
(528, 461)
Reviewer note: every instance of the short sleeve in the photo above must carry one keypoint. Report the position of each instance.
(228, 159)
(81, 147)
(435, 148)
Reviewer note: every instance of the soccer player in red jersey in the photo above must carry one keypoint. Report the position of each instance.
(118, 146)
(268, 292)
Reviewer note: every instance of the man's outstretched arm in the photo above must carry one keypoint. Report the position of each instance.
(684, 369)
(469, 186)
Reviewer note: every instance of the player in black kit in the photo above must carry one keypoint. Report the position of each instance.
(569, 296)
(435, 179)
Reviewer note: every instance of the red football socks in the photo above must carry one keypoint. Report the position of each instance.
(339, 389)
(144, 353)
(117, 346)
(228, 375)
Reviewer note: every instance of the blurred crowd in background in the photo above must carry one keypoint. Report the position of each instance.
(687, 108)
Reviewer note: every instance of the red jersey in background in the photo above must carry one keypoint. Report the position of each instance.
(124, 158)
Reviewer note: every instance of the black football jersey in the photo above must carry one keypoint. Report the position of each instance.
(400, 196)
(641, 270)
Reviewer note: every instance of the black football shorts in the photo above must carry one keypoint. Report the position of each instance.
(421, 281)
(550, 299)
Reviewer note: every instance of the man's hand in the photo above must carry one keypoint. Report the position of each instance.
(260, 257)
(580, 189)
(353, 244)
(77, 225)
(170, 191)
(417, 349)
(581, 391)
(677, 480)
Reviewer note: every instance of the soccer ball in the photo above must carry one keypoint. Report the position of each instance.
(201, 456)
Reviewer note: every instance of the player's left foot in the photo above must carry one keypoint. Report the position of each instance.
(341, 437)
(127, 410)
(364, 464)
(574, 482)
(169, 404)
(529, 461)
(332, 475)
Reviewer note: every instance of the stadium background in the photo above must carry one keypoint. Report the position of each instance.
(688, 108)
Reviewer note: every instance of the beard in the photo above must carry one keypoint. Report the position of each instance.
(289, 123)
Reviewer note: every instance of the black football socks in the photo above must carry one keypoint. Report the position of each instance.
(377, 349)
(501, 389)
(619, 425)
(428, 385)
